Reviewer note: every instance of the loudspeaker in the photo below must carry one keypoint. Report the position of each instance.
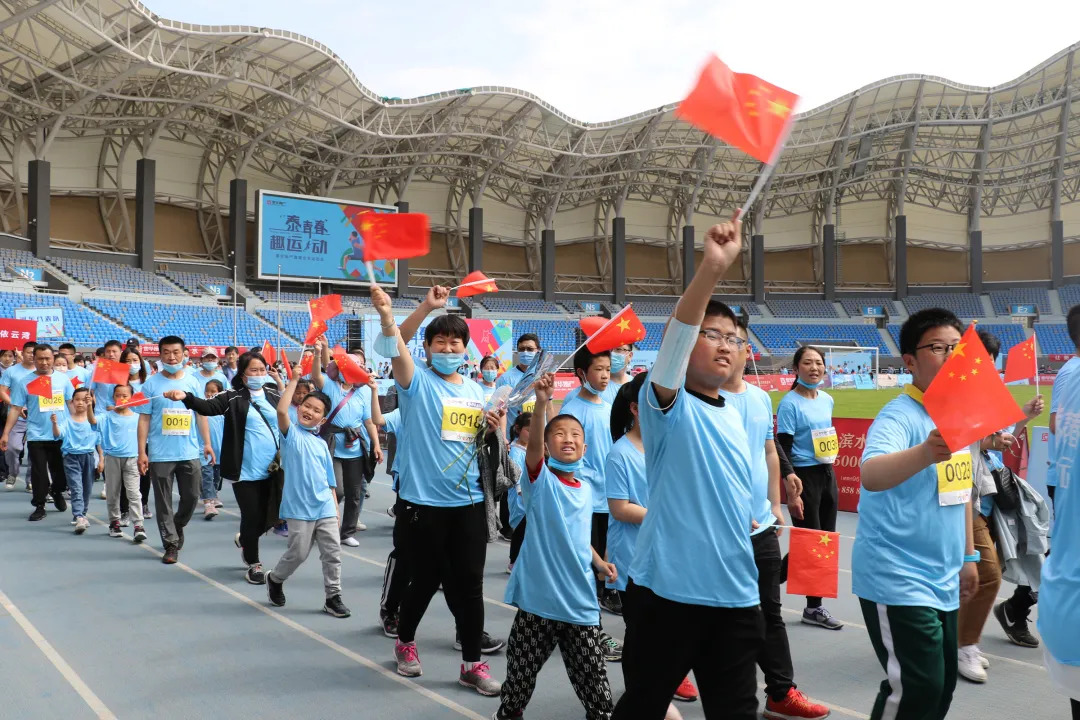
(354, 333)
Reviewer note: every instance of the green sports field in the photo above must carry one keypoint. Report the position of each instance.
(867, 403)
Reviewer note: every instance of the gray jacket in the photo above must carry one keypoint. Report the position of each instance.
(1022, 537)
(497, 475)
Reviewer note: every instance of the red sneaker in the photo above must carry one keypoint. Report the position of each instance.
(686, 692)
(795, 706)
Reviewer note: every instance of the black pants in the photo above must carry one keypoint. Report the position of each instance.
(144, 488)
(516, 540)
(599, 543)
(253, 499)
(1020, 603)
(722, 651)
(399, 566)
(1076, 710)
(820, 503)
(351, 493)
(504, 517)
(775, 657)
(449, 547)
(46, 460)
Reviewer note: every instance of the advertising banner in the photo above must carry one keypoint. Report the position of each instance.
(851, 434)
(15, 333)
(50, 321)
(490, 337)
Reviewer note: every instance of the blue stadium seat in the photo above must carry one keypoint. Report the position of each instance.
(1007, 333)
(197, 324)
(558, 336)
(802, 308)
(1003, 300)
(81, 326)
(1054, 339)
(854, 306)
(965, 305)
(653, 308)
(518, 305)
(786, 339)
(1069, 296)
(193, 281)
(111, 276)
(21, 258)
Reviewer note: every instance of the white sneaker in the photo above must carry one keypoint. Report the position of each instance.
(360, 526)
(81, 526)
(351, 542)
(982, 658)
(10, 482)
(103, 495)
(970, 665)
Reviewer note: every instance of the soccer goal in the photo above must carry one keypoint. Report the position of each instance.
(852, 366)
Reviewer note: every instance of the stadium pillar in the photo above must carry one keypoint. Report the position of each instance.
(687, 255)
(828, 260)
(402, 265)
(618, 259)
(476, 239)
(38, 194)
(975, 261)
(900, 257)
(1057, 254)
(547, 264)
(757, 267)
(238, 226)
(145, 182)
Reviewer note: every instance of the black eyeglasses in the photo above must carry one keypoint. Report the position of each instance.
(717, 339)
(938, 348)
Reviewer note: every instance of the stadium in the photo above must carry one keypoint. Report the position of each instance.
(135, 152)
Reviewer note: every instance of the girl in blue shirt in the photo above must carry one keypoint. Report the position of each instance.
(136, 377)
(805, 431)
(81, 449)
(120, 445)
(489, 373)
(211, 473)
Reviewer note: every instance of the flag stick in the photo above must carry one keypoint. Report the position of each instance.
(769, 168)
(1035, 352)
(370, 271)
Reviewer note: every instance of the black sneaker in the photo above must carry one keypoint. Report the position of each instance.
(1017, 630)
(255, 575)
(172, 554)
(613, 649)
(389, 624)
(335, 607)
(611, 602)
(140, 534)
(114, 529)
(488, 645)
(59, 502)
(180, 536)
(38, 514)
(275, 591)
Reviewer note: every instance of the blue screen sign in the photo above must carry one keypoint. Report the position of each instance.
(1023, 310)
(873, 311)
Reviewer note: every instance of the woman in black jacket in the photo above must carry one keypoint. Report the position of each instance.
(249, 449)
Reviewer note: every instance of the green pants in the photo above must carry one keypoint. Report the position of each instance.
(917, 648)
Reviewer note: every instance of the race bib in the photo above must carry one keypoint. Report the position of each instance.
(56, 402)
(954, 479)
(461, 418)
(529, 405)
(175, 421)
(826, 445)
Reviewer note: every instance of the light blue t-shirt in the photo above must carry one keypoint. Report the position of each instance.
(120, 435)
(488, 391)
(103, 392)
(260, 441)
(755, 407)
(553, 575)
(515, 501)
(625, 474)
(1059, 594)
(14, 374)
(309, 475)
(216, 425)
(38, 409)
(352, 415)
(201, 380)
(511, 378)
(799, 416)
(79, 437)
(697, 461)
(1055, 405)
(909, 548)
(596, 419)
(434, 470)
(174, 431)
(607, 396)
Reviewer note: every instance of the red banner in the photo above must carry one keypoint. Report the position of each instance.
(1047, 379)
(16, 333)
(769, 383)
(851, 432)
(194, 351)
(1057, 357)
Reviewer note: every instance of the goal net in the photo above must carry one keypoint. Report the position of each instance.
(848, 366)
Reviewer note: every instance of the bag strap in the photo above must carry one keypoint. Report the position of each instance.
(269, 427)
(340, 405)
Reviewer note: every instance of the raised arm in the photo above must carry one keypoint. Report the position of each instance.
(286, 398)
(318, 379)
(534, 451)
(434, 300)
(403, 364)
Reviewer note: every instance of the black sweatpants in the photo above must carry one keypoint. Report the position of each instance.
(820, 503)
(599, 543)
(722, 651)
(516, 540)
(449, 546)
(775, 657)
(399, 565)
(253, 499)
(46, 460)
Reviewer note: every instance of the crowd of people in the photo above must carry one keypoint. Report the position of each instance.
(605, 501)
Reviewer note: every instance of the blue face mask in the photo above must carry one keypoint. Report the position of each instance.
(447, 363)
(255, 382)
(209, 366)
(815, 386)
(618, 362)
(525, 357)
(133, 370)
(489, 375)
(171, 368)
(570, 467)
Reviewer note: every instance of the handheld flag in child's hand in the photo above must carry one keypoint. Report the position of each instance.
(285, 362)
(394, 236)
(75, 381)
(41, 386)
(968, 399)
(742, 110)
(624, 327)
(111, 372)
(813, 563)
(305, 363)
(316, 330)
(476, 283)
(268, 353)
(589, 325)
(350, 369)
(134, 401)
(325, 307)
(1022, 363)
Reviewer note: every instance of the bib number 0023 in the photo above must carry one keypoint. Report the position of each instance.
(955, 479)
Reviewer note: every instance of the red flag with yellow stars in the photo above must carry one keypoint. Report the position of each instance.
(285, 362)
(813, 563)
(1021, 364)
(268, 353)
(476, 283)
(968, 399)
(305, 364)
(740, 109)
(316, 330)
(624, 327)
(325, 307)
(394, 236)
(41, 386)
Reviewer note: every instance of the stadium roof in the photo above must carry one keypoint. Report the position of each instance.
(287, 106)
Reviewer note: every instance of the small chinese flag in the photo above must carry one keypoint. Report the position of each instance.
(305, 364)
(394, 236)
(41, 386)
(589, 325)
(75, 381)
(623, 328)
(325, 307)
(968, 399)
(813, 563)
(1021, 363)
(349, 369)
(740, 109)
(268, 353)
(135, 400)
(476, 283)
(111, 372)
(316, 330)
(285, 361)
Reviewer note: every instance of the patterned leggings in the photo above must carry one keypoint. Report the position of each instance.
(532, 640)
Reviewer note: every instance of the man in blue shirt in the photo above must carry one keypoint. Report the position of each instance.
(914, 556)
(698, 465)
(527, 347)
(1072, 322)
(11, 377)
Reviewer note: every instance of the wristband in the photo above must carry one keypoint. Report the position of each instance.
(973, 558)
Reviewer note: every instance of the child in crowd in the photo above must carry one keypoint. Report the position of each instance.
(120, 442)
(303, 387)
(519, 441)
(81, 448)
(553, 582)
(211, 474)
(308, 498)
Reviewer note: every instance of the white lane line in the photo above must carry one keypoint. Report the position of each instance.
(322, 639)
(46, 648)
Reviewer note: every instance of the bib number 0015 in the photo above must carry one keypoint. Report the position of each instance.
(175, 422)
